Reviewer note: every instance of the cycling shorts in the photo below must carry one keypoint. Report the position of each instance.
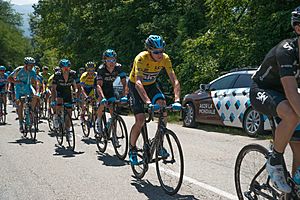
(108, 92)
(19, 93)
(66, 96)
(266, 101)
(153, 92)
(90, 91)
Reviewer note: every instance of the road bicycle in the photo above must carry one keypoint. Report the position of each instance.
(169, 169)
(113, 130)
(30, 118)
(43, 106)
(65, 126)
(2, 108)
(89, 117)
(251, 178)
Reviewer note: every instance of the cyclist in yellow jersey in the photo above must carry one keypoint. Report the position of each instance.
(87, 86)
(144, 90)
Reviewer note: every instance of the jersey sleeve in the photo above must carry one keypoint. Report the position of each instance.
(139, 62)
(168, 64)
(15, 72)
(83, 79)
(121, 73)
(55, 79)
(286, 60)
(99, 76)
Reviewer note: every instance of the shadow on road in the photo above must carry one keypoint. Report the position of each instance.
(156, 192)
(88, 140)
(66, 152)
(25, 141)
(109, 160)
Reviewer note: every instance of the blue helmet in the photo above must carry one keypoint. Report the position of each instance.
(155, 42)
(295, 19)
(29, 60)
(64, 63)
(2, 68)
(109, 53)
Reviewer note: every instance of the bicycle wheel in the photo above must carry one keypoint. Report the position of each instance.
(70, 133)
(60, 131)
(120, 137)
(33, 128)
(101, 139)
(86, 124)
(2, 114)
(76, 111)
(250, 174)
(170, 169)
(143, 149)
(50, 119)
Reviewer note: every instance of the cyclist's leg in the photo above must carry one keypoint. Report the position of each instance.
(19, 108)
(295, 146)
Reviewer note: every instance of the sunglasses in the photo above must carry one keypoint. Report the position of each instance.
(90, 70)
(157, 52)
(111, 61)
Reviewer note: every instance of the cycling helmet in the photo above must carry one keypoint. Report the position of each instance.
(81, 69)
(109, 53)
(2, 68)
(155, 42)
(29, 60)
(90, 65)
(56, 69)
(295, 19)
(64, 63)
(46, 68)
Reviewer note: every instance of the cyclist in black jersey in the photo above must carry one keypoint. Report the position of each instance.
(106, 75)
(61, 87)
(274, 92)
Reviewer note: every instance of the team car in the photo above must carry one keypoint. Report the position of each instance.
(225, 101)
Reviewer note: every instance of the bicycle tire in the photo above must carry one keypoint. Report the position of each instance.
(86, 124)
(33, 128)
(71, 141)
(143, 148)
(2, 114)
(170, 146)
(50, 119)
(25, 128)
(245, 151)
(120, 152)
(59, 131)
(101, 141)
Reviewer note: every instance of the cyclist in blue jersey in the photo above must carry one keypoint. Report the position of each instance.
(24, 78)
(3, 85)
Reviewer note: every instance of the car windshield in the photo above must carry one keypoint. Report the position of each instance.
(223, 83)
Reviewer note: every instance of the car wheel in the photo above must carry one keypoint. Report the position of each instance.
(253, 122)
(189, 115)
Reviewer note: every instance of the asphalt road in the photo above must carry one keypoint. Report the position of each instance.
(44, 170)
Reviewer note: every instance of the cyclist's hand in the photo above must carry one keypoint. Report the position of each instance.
(176, 106)
(154, 107)
(103, 101)
(53, 103)
(124, 99)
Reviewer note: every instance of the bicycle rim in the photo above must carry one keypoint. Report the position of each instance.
(120, 137)
(70, 134)
(101, 141)
(250, 163)
(170, 169)
(140, 170)
(2, 114)
(86, 125)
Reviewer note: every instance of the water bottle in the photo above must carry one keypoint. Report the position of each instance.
(297, 176)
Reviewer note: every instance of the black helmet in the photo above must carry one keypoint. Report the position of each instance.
(295, 19)
(90, 65)
(29, 60)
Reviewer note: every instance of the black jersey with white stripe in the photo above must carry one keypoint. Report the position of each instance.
(282, 60)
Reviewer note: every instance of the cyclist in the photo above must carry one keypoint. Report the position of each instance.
(80, 72)
(45, 75)
(87, 86)
(274, 92)
(25, 80)
(61, 88)
(144, 90)
(3, 85)
(106, 75)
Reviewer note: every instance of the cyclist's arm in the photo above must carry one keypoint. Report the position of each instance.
(75, 89)
(53, 92)
(125, 87)
(83, 91)
(290, 87)
(176, 85)
(99, 89)
(141, 90)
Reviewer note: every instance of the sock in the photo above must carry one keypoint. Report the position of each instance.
(276, 158)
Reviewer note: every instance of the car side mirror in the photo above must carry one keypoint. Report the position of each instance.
(203, 87)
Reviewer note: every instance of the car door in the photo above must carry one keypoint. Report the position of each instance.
(210, 109)
(237, 101)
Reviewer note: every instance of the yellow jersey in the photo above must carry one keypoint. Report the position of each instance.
(50, 79)
(144, 66)
(87, 81)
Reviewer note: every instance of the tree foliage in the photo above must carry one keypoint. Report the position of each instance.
(204, 37)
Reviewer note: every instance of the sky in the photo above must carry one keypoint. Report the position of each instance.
(22, 2)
